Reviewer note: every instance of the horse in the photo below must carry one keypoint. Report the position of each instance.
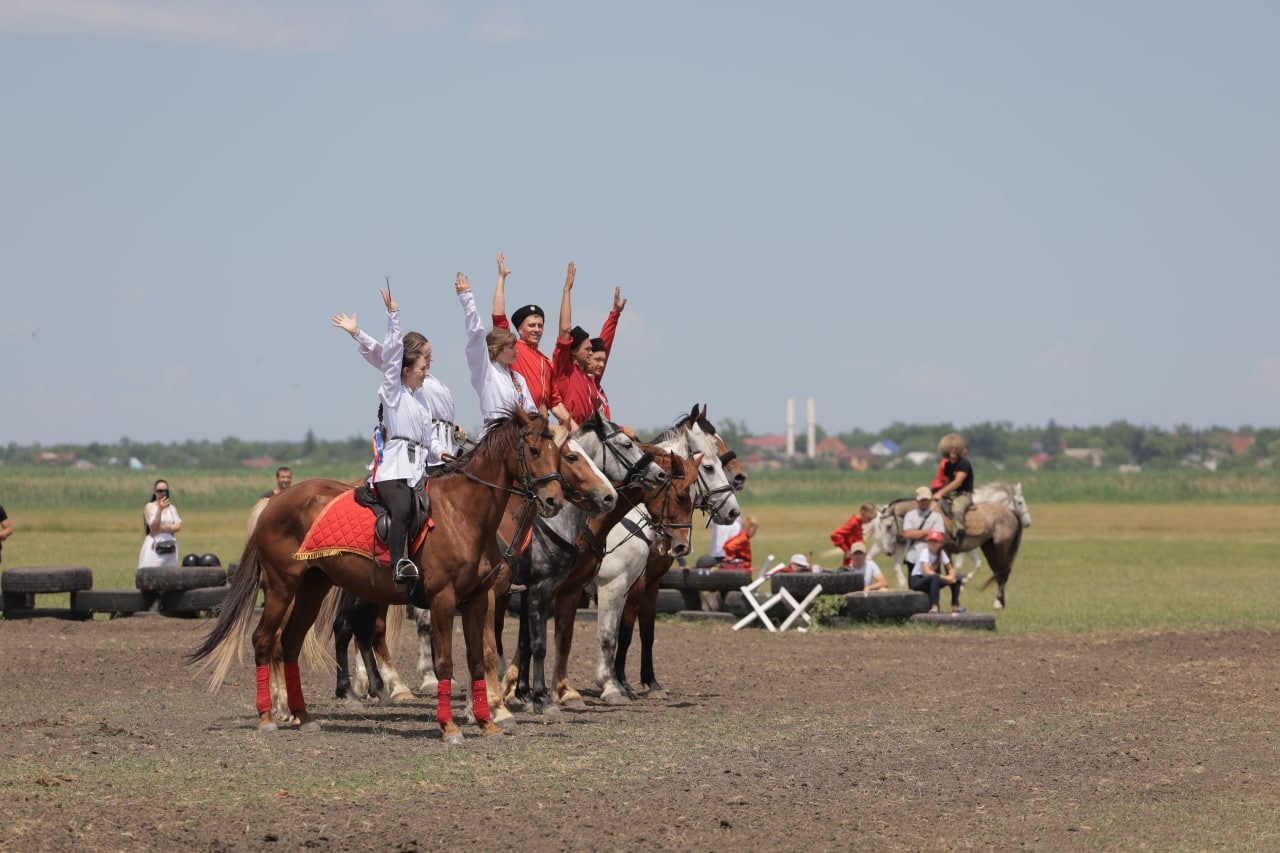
(642, 598)
(1001, 493)
(991, 526)
(467, 505)
(624, 462)
(667, 525)
(626, 559)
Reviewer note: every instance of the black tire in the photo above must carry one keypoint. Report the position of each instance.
(46, 579)
(176, 578)
(670, 601)
(673, 579)
(886, 604)
(736, 603)
(833, 583)
(111, 600)
(719, 580)
(193, 600)
(980, 621)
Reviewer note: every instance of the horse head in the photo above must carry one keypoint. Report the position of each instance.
(619, 456)
(671, 507)
(585, 485)
(733, 467)
(1020, 506)
(537, 460)
(713, 493)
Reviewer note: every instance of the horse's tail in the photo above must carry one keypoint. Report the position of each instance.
(1005, 565)
(224, 643)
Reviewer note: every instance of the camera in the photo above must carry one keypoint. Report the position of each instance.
(162, 493)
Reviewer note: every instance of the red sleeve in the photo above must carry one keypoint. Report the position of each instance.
(607, 332)
(500, 321)
(553, 390)
(738, 548)
(561, 360)
(848, 533)
(940, 478)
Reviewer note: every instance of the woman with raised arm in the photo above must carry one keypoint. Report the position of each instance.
(445, 431)
(405, 428)
(491, 356)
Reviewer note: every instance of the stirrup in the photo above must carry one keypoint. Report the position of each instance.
(406, 572)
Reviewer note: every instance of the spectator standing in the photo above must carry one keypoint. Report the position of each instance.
(919, 523)
(160, 521)
(284, 479)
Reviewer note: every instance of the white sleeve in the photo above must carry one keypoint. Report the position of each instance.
(392, 354)
(370, 350)
(477, 347)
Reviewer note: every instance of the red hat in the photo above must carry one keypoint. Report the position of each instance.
(934, 536)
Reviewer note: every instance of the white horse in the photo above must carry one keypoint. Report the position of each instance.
(626, 554)
(1010, 496)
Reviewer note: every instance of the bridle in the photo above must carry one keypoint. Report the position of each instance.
(635, 472)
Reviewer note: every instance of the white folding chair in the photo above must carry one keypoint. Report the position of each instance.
(760, 610)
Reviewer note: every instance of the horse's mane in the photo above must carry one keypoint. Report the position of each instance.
(492, 448)
(672, 433)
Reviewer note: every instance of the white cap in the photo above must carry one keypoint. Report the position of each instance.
(800, 560)
(924, 494)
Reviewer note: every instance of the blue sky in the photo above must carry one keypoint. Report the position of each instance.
(910, 211)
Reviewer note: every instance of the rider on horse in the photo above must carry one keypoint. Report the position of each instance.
(956, 495)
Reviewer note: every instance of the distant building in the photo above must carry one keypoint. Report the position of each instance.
(884, 447)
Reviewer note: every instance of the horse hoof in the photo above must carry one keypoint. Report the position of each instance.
(514, 703)
(615, 697)
(352, 702)
(574, 704)
(402, 698)
(268, 727)
(310, 726)
(656, 693)
(999, 605)
(490, 730)
(505, 721)
(453, 739)
(549, 712)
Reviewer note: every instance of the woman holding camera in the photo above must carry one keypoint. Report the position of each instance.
(161, 521)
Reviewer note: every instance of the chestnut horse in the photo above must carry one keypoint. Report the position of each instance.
(519, 455)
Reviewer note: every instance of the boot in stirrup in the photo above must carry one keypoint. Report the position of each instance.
(406, 573)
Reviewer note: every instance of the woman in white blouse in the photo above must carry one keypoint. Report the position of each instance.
(490, 355)
(406, 427)
(161, 520)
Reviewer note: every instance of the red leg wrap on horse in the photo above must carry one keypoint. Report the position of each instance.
(480, 700)
(293, 687)
(444, 701)
(264, 689)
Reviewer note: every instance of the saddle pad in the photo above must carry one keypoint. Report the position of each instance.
(346, 527)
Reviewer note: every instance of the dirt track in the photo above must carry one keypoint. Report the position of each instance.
(880, 738)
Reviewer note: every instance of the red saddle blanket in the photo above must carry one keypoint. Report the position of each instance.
(346, 527)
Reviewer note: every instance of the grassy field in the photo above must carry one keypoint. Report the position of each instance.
(1092, 560)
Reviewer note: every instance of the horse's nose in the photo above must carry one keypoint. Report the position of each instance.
(608, 501)
(680, 549)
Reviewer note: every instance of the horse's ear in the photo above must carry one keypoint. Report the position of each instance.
(693, 414)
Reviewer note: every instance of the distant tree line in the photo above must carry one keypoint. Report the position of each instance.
(1121, 443)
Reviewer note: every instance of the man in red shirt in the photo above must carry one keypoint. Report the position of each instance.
(530, 362)
(846, 534)
(572, 360)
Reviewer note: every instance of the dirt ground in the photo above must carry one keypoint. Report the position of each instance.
(871, 738)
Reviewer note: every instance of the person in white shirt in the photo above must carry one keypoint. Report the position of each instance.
(933, 571)
(722, 533)
(161, 520)
(872, 578)
(919, 522)
(490, 355)
(444, 427)
(406, 429)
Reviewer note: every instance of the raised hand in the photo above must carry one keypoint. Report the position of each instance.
(461, 284)
(503, 271)
(618, 302)
(569, 276)
(387, 299)
(345, 323)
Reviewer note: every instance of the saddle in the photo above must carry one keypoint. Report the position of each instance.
(356, 523)
(975, 523)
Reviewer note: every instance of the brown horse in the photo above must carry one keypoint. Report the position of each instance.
(993, 527)
(521, 455)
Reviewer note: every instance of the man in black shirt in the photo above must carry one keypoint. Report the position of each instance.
(957, 495)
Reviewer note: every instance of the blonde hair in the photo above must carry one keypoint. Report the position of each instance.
(950, 442)
(749, 522)
(498, 340)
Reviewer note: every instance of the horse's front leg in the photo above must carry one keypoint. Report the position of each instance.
(475, 613)
(610, 598)
(495, 604)
(626, 629)
(391, 687)
(442, 606)
(648, 619)
(537, 597)
(343, 631)
(565, 604)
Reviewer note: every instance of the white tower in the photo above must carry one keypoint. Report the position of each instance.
(791, 426)
(813, 429)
